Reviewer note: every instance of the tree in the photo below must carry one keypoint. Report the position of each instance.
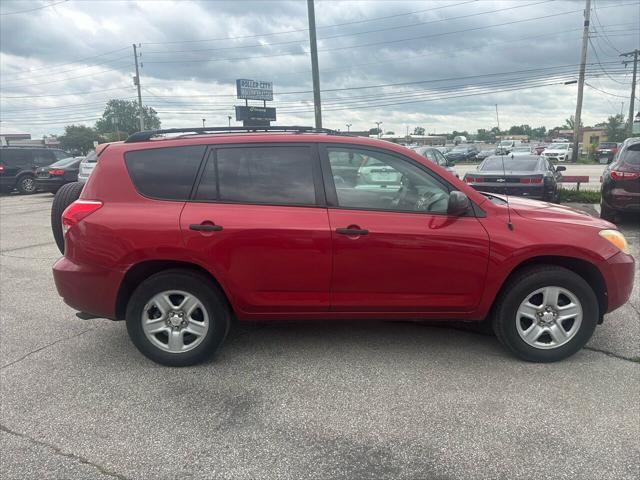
(79, 138)
(375, 131)
(570, 123)
(539, 133)
(389, 132)
(487, 136)
(123, 116)
(615, 128)
(520, 130)
(418, 131)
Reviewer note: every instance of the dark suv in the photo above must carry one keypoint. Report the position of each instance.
(18, 166)
(181, 235)
(621, 182)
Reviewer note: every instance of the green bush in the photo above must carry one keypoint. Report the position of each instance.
(580, 196)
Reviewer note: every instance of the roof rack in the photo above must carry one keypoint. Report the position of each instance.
(149, 134)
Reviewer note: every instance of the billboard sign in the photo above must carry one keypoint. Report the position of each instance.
(255, 113)
(254, 89)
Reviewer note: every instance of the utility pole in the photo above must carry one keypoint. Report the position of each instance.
(203, 120)
(315, 73)
(136, 82)
(633, 86)
(583, 61)
(229, 117)
(348, 127)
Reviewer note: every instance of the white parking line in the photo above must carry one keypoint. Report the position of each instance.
(597, 208)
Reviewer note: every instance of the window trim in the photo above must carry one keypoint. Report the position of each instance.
(330, 189)
(212, 154)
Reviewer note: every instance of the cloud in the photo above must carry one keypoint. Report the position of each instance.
(71, 57)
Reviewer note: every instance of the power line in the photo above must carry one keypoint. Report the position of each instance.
(268, 34)
(34, 9)
(602, 91)
(72, 93)
(600, 63)
(5, 87)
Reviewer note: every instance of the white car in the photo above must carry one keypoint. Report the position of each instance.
(522, 149)
(558, 151)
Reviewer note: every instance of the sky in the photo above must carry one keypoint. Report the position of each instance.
(442, 65)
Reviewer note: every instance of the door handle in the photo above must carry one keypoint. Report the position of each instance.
(205, 227)
(352, 231)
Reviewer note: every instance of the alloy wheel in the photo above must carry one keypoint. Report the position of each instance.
(175, 321)
(549, 317)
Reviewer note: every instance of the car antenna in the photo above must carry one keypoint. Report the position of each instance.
(504, 172)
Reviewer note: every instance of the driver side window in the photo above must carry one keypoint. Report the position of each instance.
(377, 181)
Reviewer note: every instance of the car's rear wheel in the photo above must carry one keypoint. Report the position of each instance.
(65, 196)
(177, 318)
(26, 185)
(545, 314)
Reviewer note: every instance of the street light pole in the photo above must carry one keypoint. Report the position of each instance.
(229, 117)
(203, 120)
(378, 124)
(348, 127)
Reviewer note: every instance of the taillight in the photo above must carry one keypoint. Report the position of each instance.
(77, 211)
(531, 180)
(1, 169)
(56, 172)
(620, 175)
(473, 179)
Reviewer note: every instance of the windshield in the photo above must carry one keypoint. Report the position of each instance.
(512, 164)
(558, 146)
(522, 149)
(66, 162)
(460, 149)
(608, 145)
(506, 142)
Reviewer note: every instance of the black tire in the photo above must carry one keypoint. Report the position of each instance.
(65, 196)
(516, 290)
(26, 184)
(195, 284)
(607, 213)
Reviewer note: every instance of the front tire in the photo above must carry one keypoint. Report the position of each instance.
(607, 213)
(177, 318)
(545, 314)
(65, 196)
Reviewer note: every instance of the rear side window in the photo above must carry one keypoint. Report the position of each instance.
(15, 157)
(631, 155)
(267, 175)
(165, 173)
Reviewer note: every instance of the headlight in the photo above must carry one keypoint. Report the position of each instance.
(617, 238)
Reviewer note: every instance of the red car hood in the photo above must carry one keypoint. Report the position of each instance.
(551, 212)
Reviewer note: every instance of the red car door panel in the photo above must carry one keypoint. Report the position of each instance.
(407, 262)
(270, 258)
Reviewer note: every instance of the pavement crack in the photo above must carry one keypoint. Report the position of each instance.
(614, 355)
(45, 347)
(60, 452)
(24, 247)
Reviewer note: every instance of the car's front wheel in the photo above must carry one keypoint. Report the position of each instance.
(177, 318)
(545, 313)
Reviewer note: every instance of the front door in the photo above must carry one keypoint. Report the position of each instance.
(395, 248)
(256, 223)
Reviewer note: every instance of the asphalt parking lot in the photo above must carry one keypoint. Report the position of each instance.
(293, 400)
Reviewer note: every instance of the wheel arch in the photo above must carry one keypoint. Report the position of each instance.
(587, 270)
(143, 270)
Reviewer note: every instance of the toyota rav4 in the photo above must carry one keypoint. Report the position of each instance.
(179, 235)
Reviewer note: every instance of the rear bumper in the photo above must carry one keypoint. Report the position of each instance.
(621, 200)
(49, 184)
(87, 288)
(536, 192)
(618, 276)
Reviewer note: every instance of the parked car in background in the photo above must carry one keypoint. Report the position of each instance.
(558, 152)
(460, 139)
(528, 176)
(620, 191)
(482, 154)
(178, 236)
(505, 146)
(18, 166)
(539, 148)
(51, 178)
(435, 156)
(462, 153)
(522, 149)
(606, 150)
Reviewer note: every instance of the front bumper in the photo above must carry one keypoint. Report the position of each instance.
(88, 288)
(618, 275)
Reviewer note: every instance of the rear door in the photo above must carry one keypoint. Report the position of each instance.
(257, 221)
(15, 160)
(395, 248)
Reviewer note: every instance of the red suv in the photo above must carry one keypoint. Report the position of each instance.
(178, 236)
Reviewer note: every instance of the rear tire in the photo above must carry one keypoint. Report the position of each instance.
(539, 325)
(177, 318)
(65, 196)
(26, 185)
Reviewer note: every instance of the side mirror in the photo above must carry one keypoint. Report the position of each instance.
(560, 168)
(458, 204)
(451, 163)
